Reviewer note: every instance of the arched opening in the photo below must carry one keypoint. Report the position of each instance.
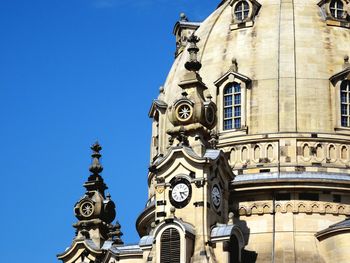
(244, 156)
(234, 249)
(344, 153)
(257, 153)
(306, 151)
(319, 152)
(332, 153)
(170, 246)
(242, 10)
(270, 152)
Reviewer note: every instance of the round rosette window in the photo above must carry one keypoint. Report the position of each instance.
(184, 112)
(86, 209)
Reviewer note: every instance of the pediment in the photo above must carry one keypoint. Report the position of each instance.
(233, 76)
(167, 164)
(342, 75)
(157, 105)
(82, 248)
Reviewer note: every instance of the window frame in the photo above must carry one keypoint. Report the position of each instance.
(245, 83)
(245, 8)
(246, 20)
(346, 103)
(336, 9)
(235, 104)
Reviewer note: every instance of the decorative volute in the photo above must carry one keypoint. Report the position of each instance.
(192, 114)
(94, 210)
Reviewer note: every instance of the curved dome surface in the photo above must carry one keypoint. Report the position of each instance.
(290, 53)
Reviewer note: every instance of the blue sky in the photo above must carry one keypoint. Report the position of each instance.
(72, 72)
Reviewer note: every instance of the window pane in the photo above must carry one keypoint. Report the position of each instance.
(237, 123)
(237, 88)
(344, 121)
(344, 97)
(238, 99)
(228, 124)
(228, 90)
(344, 109)
(227, 100)
(228, 113)
(237, 111)
(246, 6)
(245, 14)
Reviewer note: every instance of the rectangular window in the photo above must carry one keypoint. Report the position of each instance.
(345, 103)
(232, 107)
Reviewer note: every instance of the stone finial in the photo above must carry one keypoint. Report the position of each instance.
(214, 139)
(96, 168)
(346, 61)
(161, 89)
(115, 234)
(183, 17)
(193, 64)
(231, 216)
(95, 181)
(234, 65)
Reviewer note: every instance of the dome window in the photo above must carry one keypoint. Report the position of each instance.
(232, 89)
(335, 12)
(242, 10)
(337, 9)
(244, 13)
(232, 106)
(345, 103)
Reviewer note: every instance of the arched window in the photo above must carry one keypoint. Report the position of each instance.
(345, 103)
(337, 8)
(170, 246)
(232, 106)
(242, 10)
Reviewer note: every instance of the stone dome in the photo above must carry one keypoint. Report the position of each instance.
(287, 54)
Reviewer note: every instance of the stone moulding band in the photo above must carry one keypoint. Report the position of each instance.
(308, 207)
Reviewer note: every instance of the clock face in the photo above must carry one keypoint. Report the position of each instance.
(180, 194)
(216, 196)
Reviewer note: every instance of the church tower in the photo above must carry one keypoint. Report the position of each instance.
(250, 144)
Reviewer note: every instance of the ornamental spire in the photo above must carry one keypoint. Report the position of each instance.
(96, 167)
(193, 64)
(95, 181)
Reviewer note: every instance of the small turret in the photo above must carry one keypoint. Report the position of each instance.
(94, 210)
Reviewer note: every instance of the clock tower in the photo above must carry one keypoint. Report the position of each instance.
(190, 184)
